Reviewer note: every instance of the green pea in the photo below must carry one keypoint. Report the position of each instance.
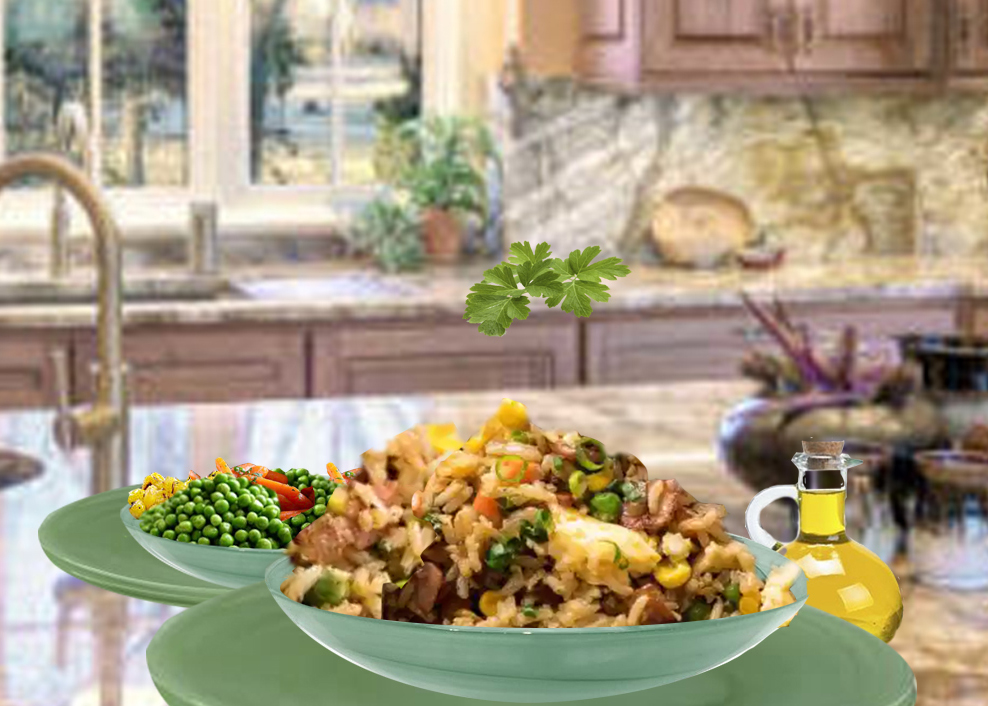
(195, 484)
(240, 513)
(182, 517)
(199, 509)
(256, 490)
(274, 527)
(733, 593)
(291, 475)
(146, 526)
(297, 521)
(160, 526)
(183, 538)
(198, 522)
(222, 478)
(284, 536)
(228, 517)
(225, 528)
(215, 520)
(168, 534)
(304, 527)
(171, 519)
(184, 527)
(210, 532)
(240, 536)
(244, 501)
(606, 507)
(196, 535)
(221, 506)
(262, 523)
(319, 510)
(251, 518)
(243, 545)
(224, 488)
(235, 484)
(189, 508)
(256, 506)
(208, 511)
(216, 497)
(272, 512)
(209, 485)
(264, 543)
(698, 610)
(226, 540)
(203, 541)
(239, 522)
(182, 498)
(154, 532)
(232, 499)
(253, 536)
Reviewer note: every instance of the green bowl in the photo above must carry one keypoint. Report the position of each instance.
(538, 665)
(232, 567)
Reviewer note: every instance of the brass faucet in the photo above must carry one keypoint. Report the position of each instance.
(102, 427)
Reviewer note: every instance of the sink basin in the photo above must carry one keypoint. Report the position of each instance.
(349, 286)
(179, 287)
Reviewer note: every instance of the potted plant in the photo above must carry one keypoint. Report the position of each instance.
(390, 231)
(444, 171)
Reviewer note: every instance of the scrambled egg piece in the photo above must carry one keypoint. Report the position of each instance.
(577, 540)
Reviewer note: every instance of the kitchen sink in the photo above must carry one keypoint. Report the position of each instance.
(178, 287)
(342, 287)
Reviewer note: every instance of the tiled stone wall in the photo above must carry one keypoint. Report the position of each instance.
(829, 177)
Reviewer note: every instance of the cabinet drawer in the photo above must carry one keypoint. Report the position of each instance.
(384, 359)
(190, 365)
(27, 376)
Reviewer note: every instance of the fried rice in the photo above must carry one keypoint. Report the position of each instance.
(522, 527)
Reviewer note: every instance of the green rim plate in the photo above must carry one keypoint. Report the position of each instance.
(818, 661)
(87, 540)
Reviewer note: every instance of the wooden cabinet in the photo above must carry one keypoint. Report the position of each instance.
(442, 356)
(714, 36)
(192, 364)
(968, 36)
(27, 373)
(878, 37)
(709, 344)
(770, 45)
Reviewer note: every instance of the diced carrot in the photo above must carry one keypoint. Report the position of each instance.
(533, 472)
(487, 506)
(276, 477)
(291, 503)
(283, 489)
(310, 493)
(222, 467)
(289, 514)
(194, 476)
(334, 473)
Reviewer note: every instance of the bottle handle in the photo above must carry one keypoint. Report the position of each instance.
(753, 515)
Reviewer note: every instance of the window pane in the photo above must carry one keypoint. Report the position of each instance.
(145, 126)
(46, 55)
(313, 122)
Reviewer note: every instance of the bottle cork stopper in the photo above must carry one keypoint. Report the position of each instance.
(828, 448)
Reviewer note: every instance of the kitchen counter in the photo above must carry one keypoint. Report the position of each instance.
(336, 293)
(51, 652)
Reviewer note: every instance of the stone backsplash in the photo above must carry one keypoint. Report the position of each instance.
(827, 177)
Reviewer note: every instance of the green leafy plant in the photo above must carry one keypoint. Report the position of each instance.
(444, 164)
(390, 231)
(507, 289)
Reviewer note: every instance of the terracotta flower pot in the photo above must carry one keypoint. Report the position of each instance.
(443, 233)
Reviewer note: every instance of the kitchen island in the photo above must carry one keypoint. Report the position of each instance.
(47, 636)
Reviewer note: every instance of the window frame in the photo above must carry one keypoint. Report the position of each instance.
(218, 130)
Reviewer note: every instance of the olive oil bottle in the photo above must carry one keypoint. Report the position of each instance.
(843, 577)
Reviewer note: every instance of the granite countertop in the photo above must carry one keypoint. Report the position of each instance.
(672, 428)
(335, 293)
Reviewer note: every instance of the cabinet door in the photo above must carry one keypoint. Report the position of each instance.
(399, 359)
(610, 39)
(27, 373)
(714, 36)
(969, 36)
(864, 36)
(191, 365)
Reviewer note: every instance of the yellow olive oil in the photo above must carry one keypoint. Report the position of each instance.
(843, 578)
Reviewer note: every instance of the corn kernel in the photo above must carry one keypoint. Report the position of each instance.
(489, 603)
(673, 575)
(512, 414)
(180, 486)
(153, 496)
(748, 605)
(157, 480)
(338, 500)
(169, 487)
(135, 495)
(137, 509)
(598, 481)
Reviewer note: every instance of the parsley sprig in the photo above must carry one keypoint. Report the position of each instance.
(508, 289)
